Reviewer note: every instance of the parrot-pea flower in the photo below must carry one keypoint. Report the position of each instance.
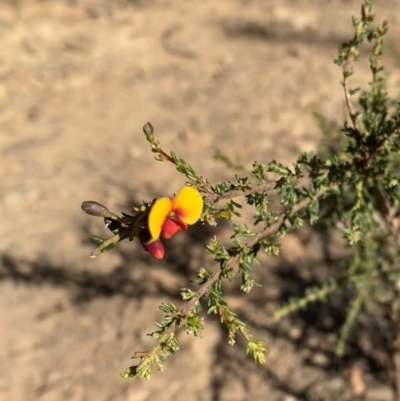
(167, 216)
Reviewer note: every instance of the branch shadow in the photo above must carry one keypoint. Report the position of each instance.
(277, 32)
(317, 329)
(183, 256)
(235, 367)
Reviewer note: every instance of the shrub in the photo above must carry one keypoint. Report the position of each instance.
(352, 187)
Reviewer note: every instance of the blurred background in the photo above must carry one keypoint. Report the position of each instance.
(78, 80)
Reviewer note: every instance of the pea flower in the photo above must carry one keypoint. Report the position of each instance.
(168, 216)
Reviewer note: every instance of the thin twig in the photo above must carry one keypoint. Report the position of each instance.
(394, 307)
(211, 195)
(241, 192)
(395, 346)
(233, 261)
(347, 92)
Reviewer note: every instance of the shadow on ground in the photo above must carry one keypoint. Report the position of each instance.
(315, 325)
(310, 334)
(84, 286)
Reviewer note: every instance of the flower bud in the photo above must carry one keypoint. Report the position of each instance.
(155, 248)
(96, 209)
(149, 132)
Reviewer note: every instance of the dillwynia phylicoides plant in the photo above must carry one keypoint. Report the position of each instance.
(353, 187)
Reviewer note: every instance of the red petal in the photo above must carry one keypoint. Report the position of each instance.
(156, 248)
(170, 227)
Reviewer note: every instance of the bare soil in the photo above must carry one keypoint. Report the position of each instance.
(78, 80)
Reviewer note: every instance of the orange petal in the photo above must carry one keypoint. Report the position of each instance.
(188, 205)
(157, 215)
(170, 227)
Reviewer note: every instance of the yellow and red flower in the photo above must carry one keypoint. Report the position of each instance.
(168, 216)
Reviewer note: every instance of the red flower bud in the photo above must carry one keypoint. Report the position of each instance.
(156, 248)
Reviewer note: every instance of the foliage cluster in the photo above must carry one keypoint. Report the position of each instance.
(352, 187)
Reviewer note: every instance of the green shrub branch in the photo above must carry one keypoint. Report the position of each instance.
(351, 187)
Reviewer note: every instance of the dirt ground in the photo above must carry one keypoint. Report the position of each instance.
(78, 80)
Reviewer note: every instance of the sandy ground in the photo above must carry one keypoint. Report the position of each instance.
(78, 79)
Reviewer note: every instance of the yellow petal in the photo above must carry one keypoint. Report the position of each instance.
(188, 205)
(158, 213)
